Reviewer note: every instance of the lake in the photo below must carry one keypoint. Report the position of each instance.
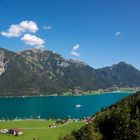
(56, 106)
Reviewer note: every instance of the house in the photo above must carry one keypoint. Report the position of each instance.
(86, 120)
(52, 126)
(15, 131)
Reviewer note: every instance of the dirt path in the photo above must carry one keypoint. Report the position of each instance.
(36, 128)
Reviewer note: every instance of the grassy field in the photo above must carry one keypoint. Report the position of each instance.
(38, 129)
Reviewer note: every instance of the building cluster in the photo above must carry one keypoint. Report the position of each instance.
(12, 131)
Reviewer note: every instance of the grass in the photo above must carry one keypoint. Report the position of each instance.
(38, 129)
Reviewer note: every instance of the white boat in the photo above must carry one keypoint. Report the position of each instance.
(78, 105)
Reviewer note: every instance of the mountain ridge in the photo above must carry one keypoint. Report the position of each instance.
(36, 72)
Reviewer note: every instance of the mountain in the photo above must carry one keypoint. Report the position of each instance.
(36, 72)
(120, 121)
(122, 74)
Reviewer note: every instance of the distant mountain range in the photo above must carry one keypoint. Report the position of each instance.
(35, 72)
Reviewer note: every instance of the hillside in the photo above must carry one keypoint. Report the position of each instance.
(120, 121)
(35, 72)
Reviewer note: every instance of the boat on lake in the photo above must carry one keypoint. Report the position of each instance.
(78, 105)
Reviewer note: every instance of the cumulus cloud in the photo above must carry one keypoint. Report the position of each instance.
(13, 31)
(32, 40)
(118, 33)
(30, 26)
(74, 51)
(17, 30)
(47, 27)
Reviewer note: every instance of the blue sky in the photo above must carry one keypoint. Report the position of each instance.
(98, 32)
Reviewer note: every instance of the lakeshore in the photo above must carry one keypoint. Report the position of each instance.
(97, 92)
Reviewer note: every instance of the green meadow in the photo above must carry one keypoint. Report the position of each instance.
(38, 129)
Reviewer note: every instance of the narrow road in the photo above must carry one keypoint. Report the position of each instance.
(35, 128)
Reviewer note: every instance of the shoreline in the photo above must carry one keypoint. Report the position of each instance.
(43, 119)
(74, 95)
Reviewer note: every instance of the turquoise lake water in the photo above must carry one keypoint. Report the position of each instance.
(56, 107)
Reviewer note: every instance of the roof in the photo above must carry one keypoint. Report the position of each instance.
(15, 129)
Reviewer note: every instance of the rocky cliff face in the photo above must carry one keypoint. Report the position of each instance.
(3, 62)
(35, 72)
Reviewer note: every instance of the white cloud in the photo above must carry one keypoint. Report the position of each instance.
(13, 31)
(74, 51)
(17, 30)
(118, 33)
(30, 26)
(75, 54)
(32, 40)
(47, 27)
(76, 47)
